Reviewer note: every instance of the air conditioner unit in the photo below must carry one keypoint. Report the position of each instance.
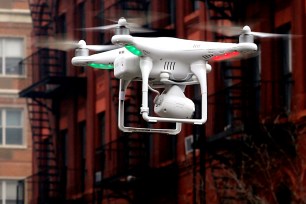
(188, 144)
(98, 176)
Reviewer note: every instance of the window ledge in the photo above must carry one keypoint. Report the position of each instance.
(13, 147)
(13, 76)
(9, 93)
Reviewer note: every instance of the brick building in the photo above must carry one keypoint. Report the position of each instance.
(15, 137)
(249, 151)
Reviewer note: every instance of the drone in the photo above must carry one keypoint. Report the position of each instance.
(168, 63)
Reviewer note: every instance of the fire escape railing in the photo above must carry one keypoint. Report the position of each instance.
(121, 157)
(117, 164)
(46, 63)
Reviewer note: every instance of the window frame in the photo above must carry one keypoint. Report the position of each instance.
(3, 125)
(3, 185)
(3, 57)
(286, 67)
(196, 5)
(287, 70)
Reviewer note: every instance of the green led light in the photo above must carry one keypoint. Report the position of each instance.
(101, 66)
(133, 50)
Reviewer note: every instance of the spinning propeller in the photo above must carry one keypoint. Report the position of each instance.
(231, 31)
(99, 48)
(61, 43)
(245, 36)
(247, 31)
(123, 27)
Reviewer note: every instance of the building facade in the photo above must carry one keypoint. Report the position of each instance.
(249, 151)
(15, 139)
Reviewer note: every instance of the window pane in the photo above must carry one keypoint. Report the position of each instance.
(1, 44)
(10, 201)
(1, 61)
(1, 57)
(13, 118)
(1, 131)
(13, 47)
(14, 136)
(11, 190)
(1, 139)
(12, 66)
(20, 192)
(1, 189)
(1, 117)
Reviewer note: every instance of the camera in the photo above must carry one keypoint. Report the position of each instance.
(173, 103)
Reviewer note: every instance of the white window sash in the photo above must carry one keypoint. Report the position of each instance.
(4, 55)
(4, 126)
(4, 192)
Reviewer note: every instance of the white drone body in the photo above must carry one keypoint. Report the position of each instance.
(168, 63)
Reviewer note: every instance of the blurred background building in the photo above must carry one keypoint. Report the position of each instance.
(15, 135)
(251, 150)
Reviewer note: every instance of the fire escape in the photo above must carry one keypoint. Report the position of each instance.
(49, 80)
(120, 162)
(234, 104)
(122, 166)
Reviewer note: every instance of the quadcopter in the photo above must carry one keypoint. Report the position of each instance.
(162, 62)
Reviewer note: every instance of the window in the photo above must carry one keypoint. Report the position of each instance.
(196, 4)
(80, 23)
(11, 127)
(285, 62)
(82, 137)
(11, 192)
(287, 71)
(188, 144)
(64, 137)
(171, 11)
(11, 54)
(64, 155)
(81, 19)
(101, 121)
(61, 26)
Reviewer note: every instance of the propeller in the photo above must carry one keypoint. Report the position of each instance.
(134, 27)
(247, 30)
(82, 44)
(232, 31)
(61, 43)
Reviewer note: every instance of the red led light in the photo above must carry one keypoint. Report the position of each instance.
(225, 56)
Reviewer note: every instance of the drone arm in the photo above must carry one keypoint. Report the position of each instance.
(107, 57)
(199, 69)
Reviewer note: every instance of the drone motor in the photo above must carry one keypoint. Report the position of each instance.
(246, 35)
(81, 50)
